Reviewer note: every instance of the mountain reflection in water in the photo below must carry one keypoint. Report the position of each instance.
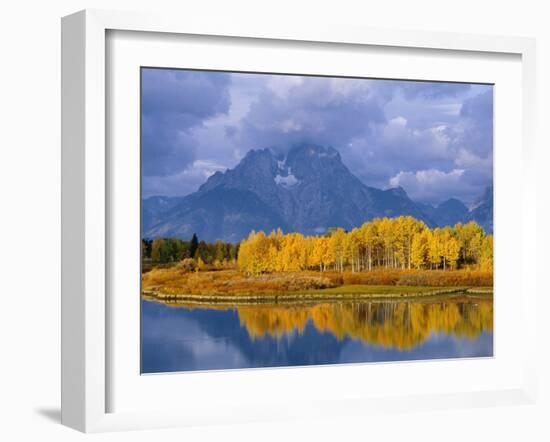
(178, 337)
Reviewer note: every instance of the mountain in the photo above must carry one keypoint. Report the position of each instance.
(453, 211)
(482, 211)
(153, 209)
(309, 190)
(228, 214)
(449, 212)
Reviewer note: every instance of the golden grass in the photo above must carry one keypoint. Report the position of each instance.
(175, 281)
(432, 278)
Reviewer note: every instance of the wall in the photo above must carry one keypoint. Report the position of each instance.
(30, 222)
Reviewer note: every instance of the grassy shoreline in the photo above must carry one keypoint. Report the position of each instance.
(231, 285)
(343, 293)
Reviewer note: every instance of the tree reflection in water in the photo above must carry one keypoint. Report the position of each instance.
(391, 324)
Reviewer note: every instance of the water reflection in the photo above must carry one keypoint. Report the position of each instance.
(191, 337)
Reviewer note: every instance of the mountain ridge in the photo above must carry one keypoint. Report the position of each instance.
(309, 190)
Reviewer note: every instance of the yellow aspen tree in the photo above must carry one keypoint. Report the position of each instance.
(337, 245)
(370, 241)
(316, 258)
(399, 233)
(486, 256)
(435, 252)
(452, 251)
(449, 247)
(413, 227)
(470, 237)
(420, 248)
(387, 236)
(327, 257)
(353, 245)
(305, 245)
(273, 253)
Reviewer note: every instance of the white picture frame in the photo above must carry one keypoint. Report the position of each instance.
(86, 204)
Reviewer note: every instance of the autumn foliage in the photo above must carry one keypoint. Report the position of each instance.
(383, 252)
(383, 243)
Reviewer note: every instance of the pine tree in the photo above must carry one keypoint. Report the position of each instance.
(194, 245)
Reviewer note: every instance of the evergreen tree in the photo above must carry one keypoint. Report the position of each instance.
(194, 245)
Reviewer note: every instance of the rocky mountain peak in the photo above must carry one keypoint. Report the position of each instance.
(309, 189)
(453, 204)
(398, 191)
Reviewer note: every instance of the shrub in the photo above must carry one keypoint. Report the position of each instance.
(336, 278)
(187, 265)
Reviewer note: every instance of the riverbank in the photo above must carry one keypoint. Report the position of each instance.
(231, 285)
(343, 293)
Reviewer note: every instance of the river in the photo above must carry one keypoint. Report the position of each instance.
(179, 337)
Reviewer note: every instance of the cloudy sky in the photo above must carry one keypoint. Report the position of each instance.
(433, 139)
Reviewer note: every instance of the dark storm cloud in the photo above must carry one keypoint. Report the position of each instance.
(477, 116)
(173, 103)
(435, 148)
(311, 110)
(434, 139)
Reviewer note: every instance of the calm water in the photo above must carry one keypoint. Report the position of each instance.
(179, 338)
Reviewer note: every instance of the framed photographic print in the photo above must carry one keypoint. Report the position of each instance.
(276, 230)
(255, 210)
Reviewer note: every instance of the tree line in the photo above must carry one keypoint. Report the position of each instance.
(166, 250)
(394, 243)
